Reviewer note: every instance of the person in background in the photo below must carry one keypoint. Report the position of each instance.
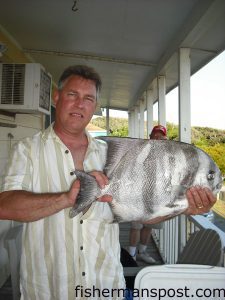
(140, 234)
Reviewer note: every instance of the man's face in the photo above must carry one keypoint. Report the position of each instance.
(75, 104)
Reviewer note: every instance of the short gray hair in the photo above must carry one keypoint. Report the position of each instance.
(84, 72)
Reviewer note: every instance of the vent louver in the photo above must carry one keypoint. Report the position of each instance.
(13, 78)
(25, 88)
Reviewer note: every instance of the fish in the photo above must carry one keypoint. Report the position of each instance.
(148, 179)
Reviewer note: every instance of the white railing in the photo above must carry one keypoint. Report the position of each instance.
(173, 237)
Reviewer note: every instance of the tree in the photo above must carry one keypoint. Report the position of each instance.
(217, 153)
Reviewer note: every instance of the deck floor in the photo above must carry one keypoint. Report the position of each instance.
(151, 249)
(130, 271)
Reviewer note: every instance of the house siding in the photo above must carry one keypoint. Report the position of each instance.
(13, 129)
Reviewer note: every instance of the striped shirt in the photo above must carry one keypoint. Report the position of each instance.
(64, 258)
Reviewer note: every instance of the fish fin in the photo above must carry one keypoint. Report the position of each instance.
(117, 148)
(87, 194)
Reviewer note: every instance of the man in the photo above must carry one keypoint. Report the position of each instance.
(61, 254)
(65, 258)
(142, 232)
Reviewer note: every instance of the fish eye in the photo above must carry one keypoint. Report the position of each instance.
(211, 175)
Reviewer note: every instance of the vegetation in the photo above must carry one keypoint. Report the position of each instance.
(210, 140)
(118, 126)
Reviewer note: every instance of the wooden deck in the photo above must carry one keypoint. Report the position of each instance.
(124, 242)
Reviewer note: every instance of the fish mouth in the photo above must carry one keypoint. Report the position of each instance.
(219, 186)
(216, 189)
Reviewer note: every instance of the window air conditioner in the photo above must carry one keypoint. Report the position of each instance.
(25, 88)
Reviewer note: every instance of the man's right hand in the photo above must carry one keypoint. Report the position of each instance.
(24, 206)
(73, 192)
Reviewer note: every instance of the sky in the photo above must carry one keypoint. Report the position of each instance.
(207, 97)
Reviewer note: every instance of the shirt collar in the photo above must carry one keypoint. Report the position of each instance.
(49, 133)
(92, 142)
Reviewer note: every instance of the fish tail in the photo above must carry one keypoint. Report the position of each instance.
(87, 193)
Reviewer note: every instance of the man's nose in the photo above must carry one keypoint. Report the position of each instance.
(79, 101)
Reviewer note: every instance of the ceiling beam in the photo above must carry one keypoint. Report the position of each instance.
(90, 56)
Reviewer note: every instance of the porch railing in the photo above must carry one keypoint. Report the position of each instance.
(173, 237)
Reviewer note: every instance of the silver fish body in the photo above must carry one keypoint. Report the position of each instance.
(149, 178)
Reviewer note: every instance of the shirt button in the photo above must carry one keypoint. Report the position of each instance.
(81, 221)
(67, 151)
(72, 173)
(81, 248)
(83, 273)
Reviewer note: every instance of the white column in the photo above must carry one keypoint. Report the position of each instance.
(136, 121)
(181, 233)
(142, 118)
(131, 123)
(184, 95)
(162, 100)
(107, 121)
(149, 100)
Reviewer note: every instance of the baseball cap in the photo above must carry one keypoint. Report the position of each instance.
(159, 128)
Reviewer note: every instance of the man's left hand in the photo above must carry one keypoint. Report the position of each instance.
(200, 200)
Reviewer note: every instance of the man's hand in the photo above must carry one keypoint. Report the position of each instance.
(102, 181)
(200, 200)
(101, 178)
(71, 195)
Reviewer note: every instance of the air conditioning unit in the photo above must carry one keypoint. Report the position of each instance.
(25, 88)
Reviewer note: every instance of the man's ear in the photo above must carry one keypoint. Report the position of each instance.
(55, 97)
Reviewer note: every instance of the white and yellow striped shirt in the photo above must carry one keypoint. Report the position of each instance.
(60, 254)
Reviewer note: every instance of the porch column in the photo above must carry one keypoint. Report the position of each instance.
(107, 121)
(184, 119)
(162, 100)
(184, 95)
(136, 121)
(131, 123)
(149, 100)
(142, 119)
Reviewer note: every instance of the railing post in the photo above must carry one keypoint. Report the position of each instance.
(182, 238)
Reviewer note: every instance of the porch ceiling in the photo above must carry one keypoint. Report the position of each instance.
(129, 42)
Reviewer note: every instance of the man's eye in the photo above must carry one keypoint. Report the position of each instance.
(72, 94)
(90, 99)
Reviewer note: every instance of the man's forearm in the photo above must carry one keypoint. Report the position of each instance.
(26, 206)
